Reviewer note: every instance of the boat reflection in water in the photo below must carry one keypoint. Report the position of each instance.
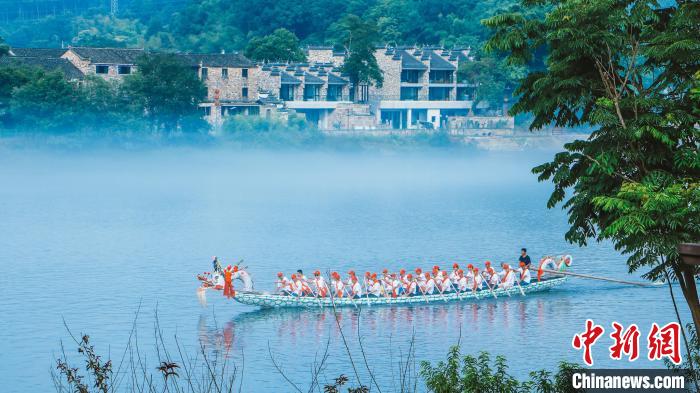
(314, 327)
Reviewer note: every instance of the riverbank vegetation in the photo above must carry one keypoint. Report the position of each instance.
(211, 369)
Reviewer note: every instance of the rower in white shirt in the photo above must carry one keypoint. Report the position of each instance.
(410, 286)
(453, 276)
(375, 288)
(428, 287)
(524, 274)
(469, 274)
(462, 283)
(283, 284)
(478, 280)
(337, 285)
(493, 279)
(297, 286)
(507, 277)
(356, 289)
(320, 284)
(445, 283)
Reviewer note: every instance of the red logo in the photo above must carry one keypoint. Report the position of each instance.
(665, 342)
(626, 342)
(587, 339)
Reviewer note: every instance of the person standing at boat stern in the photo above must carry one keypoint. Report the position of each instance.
(524, 258)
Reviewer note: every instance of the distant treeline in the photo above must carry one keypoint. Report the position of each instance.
(215, 25)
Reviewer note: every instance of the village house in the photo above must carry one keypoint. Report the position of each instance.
(421, 89)
(47, 59)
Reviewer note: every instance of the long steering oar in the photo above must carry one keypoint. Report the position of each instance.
(581, 275)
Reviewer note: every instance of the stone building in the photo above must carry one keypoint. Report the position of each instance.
(107, 63)
(47, 59)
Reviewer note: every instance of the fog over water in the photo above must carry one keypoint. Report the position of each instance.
(89, 236)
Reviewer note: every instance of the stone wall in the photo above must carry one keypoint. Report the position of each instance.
(231, 88)
(88, 68)
(391, 71)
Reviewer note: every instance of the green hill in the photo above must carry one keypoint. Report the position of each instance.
(214, 25)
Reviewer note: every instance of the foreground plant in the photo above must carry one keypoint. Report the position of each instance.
(460, 374)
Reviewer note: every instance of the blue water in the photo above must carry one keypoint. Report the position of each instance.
(88, 237)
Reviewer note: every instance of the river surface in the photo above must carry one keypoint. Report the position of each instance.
(91, 238)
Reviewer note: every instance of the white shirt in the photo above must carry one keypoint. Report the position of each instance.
(376, 289)
(320, 283)
(338, 285)
(454, 277)
(297, 287)
(477, 281)
(429, 286)
(524, 275)
(508, 279)
(494, 280)
(446, 284)
(357, 289)
(283, 283)
(463, 284)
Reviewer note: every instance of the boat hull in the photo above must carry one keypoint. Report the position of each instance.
(267, 300)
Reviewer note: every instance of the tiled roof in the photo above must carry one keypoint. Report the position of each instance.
(437, 63)
(234, 60)
(334, 79)
(37, 52)
(45, 63)
(409, 62)
(108, 55)
(289, 80)
(310, 79)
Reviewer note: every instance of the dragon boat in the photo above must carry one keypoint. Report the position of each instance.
(248, 296)
(271, 300)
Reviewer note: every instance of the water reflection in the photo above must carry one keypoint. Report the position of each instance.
(313, 327)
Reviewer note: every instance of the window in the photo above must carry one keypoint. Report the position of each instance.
(409, 93)
(287, 92)
(244, 73)
(439, 94)
(440, 76)
(205, 73)
(335, 93)
(311, 92)
(206, 110)
(245, 92)
(410, 76)
(224, 73)
(102, 69)
(124, 70)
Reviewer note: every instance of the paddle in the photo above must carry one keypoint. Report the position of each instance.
(423, 292)
(522, 292)
(565, 273)
(488, 284)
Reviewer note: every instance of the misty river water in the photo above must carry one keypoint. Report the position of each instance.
(87, 237)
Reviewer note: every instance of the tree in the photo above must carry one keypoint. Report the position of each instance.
(165, 89)
(360, 42)
(627, 69)
(11, 78)
(48, 102)
(493, 79)
(107, 31)
(281, 46)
